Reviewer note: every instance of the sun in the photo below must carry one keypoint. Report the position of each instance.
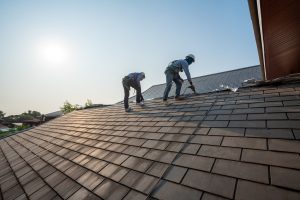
(53, 52)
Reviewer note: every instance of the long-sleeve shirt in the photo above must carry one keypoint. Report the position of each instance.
(136, 77)
(179, 65)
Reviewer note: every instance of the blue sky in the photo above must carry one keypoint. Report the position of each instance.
(52, 51)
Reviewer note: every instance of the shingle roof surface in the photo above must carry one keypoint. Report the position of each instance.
(210, 83)
(222, 145)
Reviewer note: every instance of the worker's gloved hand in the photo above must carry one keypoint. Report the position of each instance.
(192, 87)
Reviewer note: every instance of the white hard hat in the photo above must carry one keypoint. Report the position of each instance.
(191, 56)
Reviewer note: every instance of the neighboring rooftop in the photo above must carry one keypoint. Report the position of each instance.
(210, 83)
(219, 145)
(3, 127)
(54, 114)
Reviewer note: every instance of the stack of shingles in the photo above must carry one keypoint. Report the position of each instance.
(224, 145)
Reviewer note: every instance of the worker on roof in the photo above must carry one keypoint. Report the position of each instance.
(133, 80)
(172, 74)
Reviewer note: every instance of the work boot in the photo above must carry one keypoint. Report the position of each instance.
(128, 109)
(166, 103)
(141, 104)
(179, 98)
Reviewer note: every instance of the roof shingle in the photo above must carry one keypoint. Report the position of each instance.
(220, 145)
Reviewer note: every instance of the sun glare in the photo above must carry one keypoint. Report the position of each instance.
(53, 53)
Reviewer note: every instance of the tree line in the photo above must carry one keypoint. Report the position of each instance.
(29, 115)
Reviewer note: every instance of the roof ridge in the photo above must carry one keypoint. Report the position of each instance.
(209, 75)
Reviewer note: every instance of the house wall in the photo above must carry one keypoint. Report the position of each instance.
(281, 32)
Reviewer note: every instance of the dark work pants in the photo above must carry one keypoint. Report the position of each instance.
(171, 76)
(127, 83)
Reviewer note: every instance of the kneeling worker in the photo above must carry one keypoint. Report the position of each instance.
(133, 80)
(172, 74)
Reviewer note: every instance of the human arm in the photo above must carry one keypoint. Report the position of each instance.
(186, 70)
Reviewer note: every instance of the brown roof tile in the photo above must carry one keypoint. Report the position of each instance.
(221, 145)
(242, 170)
(195, 162)
(220, 152)
(250, 190)
(111, 190)
(170, 191)
(221, 185)
(243, 142)
(175, 174)
(134, 195)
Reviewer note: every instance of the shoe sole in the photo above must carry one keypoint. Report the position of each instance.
(167, 104)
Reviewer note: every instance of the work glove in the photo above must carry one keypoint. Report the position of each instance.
(192, 87)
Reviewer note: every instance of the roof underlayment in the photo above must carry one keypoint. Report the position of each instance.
(219, 145)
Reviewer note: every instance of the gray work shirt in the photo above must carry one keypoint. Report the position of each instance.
(136, 77)
(179, 65)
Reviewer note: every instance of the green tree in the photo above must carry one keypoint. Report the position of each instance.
(88, 103)
(34, 114)
(24, 116)
(68, 107)
(11, 119)
(2, 114)
(20, 118)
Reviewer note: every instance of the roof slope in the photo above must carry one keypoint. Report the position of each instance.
(222, 145)
(210, 83)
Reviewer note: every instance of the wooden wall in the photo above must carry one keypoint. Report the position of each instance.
(281, 36)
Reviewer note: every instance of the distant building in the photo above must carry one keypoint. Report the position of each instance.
(51, 116)
(32, 122)
(3, 128)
